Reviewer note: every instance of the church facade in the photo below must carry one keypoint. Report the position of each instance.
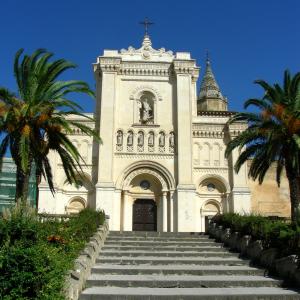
(161, 164)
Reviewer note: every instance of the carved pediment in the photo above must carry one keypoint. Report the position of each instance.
(146, 52)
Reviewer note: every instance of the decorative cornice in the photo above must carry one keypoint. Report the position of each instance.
(186, 67)
(237, 128)
(208, 134)
(216, 113)
(108, 64)
(145, 68)
(216, 170)
(145, 155)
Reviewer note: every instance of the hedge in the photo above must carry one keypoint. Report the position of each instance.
(273, 233)
(35, 256)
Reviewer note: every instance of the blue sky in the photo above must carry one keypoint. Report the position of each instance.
(247, 40)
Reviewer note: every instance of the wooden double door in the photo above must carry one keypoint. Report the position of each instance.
(144, 215)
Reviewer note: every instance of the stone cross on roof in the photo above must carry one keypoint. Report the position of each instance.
(146, 24)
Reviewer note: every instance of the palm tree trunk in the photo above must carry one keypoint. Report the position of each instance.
(294, 185)
(22, 184)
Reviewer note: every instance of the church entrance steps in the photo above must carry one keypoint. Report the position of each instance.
(152, 265)
(165, 248)
(135, 253)
(175, 269)
(263, 293)
(180, 281)
(156, 260)
(148, 234)
(160, 243)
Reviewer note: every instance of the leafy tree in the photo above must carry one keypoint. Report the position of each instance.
(35, 120)
(272, 135)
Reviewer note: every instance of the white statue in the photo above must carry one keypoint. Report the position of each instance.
(141, 139)
(130, 139)
(172, 139)
(151, 139)
(119, 138)
(146, 112)
(162, 139)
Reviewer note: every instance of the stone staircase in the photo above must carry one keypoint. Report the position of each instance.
(152, 265)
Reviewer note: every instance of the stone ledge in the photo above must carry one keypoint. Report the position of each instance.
(76, 278)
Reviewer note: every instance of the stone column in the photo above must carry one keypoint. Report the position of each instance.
(107, 68)
(185, 70)
(164, 207)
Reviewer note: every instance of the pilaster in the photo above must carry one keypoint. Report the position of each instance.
(240, 198)
(164, 212)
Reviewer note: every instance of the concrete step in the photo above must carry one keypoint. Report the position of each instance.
(157, 234)
(137, 253)
(160, 243)
(165, 248)
(181, 281)
(257, 293)
(175, 269)
(165, 239)
(154, 260)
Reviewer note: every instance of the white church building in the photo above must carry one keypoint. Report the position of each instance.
(161, 163)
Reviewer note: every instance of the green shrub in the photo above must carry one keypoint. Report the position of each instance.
(35, 256)
(273, 233)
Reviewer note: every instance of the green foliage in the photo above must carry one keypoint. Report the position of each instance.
(35, 256)
(35, 120)
(272, 136)
(273, 233)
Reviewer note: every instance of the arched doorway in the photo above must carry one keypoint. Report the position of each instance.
(144, 215)
(209, 210)
(145, 201)
(212, 192)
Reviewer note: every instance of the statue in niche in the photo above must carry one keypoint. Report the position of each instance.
(161, 139)
(130, 139)
(151, 139)
(172, 139)
(140, 139)
(146, 110)
(119, 138)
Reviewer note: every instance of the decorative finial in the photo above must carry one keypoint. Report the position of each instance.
(146, 24)
(207, 57)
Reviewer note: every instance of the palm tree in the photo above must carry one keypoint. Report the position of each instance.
(272, 135)
(35, 120)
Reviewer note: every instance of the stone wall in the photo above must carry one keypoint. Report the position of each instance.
(268, 198)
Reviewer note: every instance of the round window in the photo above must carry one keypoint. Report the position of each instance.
(211, 187)
(145, 184)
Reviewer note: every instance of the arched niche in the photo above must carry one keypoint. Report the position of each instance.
(75, 205)
(212, 184)
(145, 100)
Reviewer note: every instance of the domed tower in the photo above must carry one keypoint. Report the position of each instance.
(210, 97)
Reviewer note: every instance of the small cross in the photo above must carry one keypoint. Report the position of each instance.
(207, 55)
(146, 23)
